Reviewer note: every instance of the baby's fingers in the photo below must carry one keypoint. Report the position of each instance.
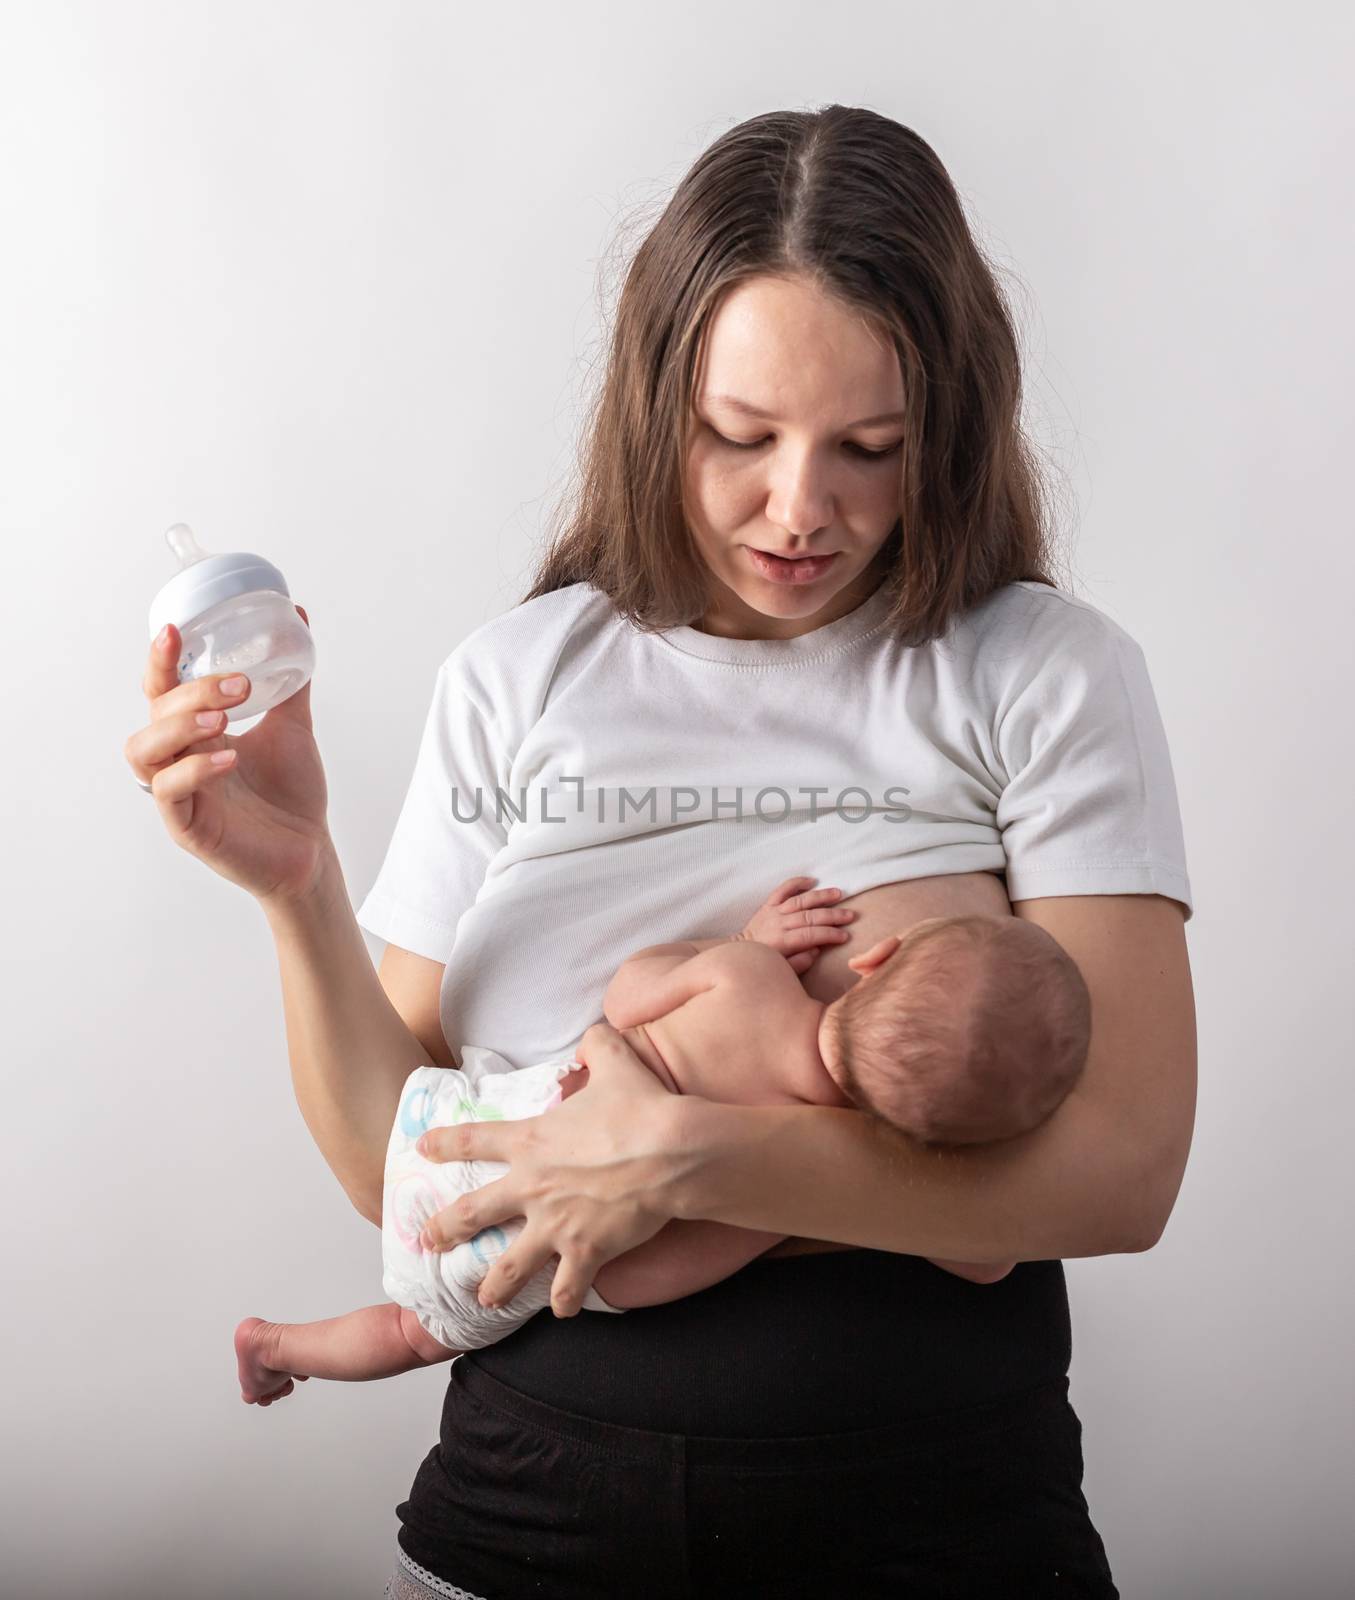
(811, 936)
(783, 891)
(817, 916)
(833, 914)
(818, 897)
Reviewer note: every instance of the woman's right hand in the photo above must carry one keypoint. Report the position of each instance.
(259, 819)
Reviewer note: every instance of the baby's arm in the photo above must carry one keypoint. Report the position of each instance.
(657, 980)
(685, 1255)
(795, 920)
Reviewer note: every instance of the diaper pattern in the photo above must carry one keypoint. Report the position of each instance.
(440, 1287)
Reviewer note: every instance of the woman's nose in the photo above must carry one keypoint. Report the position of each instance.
(799, 497)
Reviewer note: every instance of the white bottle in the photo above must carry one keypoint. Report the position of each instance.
(234, 614)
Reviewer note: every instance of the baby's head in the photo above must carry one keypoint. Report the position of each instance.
(972, 1029)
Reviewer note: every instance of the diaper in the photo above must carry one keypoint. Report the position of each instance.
(440, 1286)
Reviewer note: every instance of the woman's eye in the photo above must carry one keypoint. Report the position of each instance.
(857, 449)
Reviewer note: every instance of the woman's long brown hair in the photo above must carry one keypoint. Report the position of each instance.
(862, 208)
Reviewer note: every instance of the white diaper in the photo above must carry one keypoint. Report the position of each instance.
(440, 1287)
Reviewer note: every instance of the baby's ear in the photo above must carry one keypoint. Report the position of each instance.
(878, 953)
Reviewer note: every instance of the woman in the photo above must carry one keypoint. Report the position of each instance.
(809, 558)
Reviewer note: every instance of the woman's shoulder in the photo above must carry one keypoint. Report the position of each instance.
(534, 629)
(1032, 622)
(544, 616)
(511, 660)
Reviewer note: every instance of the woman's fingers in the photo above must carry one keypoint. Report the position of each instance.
(184, 777)
(160, 744)
(523, 1259)
(573, 1279)
(472, 1141)
(162, 663)
(175, 712)
(471, 1212)
(164, 693)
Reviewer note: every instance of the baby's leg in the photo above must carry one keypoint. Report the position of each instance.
(685, 1255)
(376, 1342)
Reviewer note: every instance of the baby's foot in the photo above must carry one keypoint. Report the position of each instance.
(260, 1383)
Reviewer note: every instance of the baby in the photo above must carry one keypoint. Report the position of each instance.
(964, 1028)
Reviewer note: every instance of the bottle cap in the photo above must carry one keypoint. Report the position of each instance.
(204, 580)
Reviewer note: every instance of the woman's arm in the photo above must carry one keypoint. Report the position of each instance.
(1100, 1176)
(350, 1048)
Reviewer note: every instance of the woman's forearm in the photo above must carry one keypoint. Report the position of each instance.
(350, 1049)
(1061, 1191)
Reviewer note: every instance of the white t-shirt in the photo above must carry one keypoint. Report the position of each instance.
(1027, 740)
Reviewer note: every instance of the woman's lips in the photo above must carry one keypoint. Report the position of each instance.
(787, 569)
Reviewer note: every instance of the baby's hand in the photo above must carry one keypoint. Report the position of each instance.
(798, 920)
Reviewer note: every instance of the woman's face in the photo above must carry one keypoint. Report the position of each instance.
(790, 509)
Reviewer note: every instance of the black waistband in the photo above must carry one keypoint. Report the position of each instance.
(948, 1431)
(799, 1345)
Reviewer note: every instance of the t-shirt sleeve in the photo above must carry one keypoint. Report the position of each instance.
(1089, 804)
(449, 828)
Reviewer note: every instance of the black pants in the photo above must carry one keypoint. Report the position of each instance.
(964, 1501)
(986, 1503)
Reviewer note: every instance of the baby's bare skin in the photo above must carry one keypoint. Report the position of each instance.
(893, 908)
(687, 1047)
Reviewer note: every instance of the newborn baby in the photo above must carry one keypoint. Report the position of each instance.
(964, 1028)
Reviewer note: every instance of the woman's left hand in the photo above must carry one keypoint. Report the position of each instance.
(590, 1176)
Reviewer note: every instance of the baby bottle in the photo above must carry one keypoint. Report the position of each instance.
(233, 614)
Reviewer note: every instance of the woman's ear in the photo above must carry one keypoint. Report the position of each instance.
(876, 956)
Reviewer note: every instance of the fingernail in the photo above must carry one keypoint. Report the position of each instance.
(421, 1144)
(162, 638)
(232, 685)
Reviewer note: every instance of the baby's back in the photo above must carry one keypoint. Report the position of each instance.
(738, 1039)
(751, 1038)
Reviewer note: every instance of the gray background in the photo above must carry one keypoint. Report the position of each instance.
(323, 281)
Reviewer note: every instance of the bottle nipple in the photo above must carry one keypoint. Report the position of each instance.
(180, 540)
